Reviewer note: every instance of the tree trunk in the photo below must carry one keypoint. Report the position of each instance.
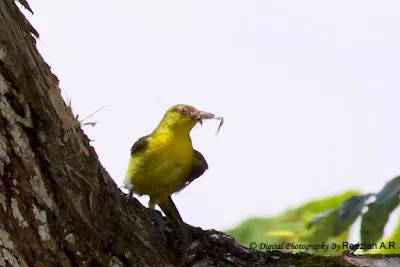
(59, 207)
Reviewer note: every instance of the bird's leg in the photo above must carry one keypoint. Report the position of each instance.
(172, 213)
(158, 218)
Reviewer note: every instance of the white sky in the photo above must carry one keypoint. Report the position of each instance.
(309, 90)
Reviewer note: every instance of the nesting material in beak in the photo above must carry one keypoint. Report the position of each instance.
(202, 115)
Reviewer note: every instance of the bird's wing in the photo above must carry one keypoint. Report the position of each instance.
(140, 144)
(199, 167)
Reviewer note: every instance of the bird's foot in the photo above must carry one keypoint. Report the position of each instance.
(130, 188)
(185, 235)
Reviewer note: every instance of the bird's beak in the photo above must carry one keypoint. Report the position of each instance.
(202, 115)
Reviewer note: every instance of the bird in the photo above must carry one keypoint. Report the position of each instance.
(164, 162)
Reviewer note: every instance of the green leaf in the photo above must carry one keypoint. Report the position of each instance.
(323, 226)
(394, 239)
(374, 220)
(321, 217)
(290, 226)
(349, 212)
(389, 193)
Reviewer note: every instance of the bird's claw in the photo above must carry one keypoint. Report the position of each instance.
(130, 188)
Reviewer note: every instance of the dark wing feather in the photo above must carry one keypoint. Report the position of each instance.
(199, 167)
(140, 144)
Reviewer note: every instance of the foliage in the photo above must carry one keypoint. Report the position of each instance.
(327, 221)
(372, 222)
(291, 227)
(395, 238)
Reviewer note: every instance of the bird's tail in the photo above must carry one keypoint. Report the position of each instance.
(170, 210)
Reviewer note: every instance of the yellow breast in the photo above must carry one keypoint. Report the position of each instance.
(162, 167)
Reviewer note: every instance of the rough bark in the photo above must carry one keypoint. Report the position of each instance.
(59, 207)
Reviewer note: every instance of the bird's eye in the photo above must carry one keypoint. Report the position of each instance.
(183, 111)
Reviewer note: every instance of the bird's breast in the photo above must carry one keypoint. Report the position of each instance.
(163, 167)
(170, 150)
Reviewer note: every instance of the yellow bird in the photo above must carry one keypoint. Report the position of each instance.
(164, 162)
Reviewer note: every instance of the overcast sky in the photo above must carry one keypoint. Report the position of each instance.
(309, 91)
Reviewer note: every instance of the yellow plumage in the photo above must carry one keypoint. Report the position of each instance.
(165, 162)
(160, 170)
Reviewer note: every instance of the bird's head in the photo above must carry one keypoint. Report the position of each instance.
(184, 117)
